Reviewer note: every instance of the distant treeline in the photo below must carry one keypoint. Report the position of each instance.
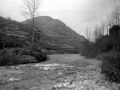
(103, 44)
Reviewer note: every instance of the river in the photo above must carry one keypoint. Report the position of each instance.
(59, 72)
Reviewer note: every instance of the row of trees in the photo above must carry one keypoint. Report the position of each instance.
(106, 24)
(99, 41)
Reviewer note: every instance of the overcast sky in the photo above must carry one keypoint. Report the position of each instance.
(77, 14)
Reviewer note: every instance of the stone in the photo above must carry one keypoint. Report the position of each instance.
(13, 79)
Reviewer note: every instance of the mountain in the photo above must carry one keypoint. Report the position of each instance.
(57, 31)
(55, 27)
(51, 34)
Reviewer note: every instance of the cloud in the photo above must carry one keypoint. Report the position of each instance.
(116, 2)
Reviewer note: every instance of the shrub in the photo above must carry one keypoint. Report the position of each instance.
(101, 45)
(6, 59)
(38, 55)
(14, 56)
(111, 66)
(35, 51)
(33, 47)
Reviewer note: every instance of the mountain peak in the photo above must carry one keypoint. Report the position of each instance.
(44, 17)
(58, 31)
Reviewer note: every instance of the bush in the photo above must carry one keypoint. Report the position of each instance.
(10, 41)
(35, 51)
(38, 55)
(6, 59)
(14, 56)
(102, 56)
(33, 47)
(111, 66)
(101, 45)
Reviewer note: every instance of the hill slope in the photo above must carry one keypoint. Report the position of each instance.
(56, 32)
(52, 33)
(55, 27)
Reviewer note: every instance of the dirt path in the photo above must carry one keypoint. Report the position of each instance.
(60, 72)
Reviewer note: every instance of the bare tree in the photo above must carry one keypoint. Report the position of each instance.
(30, 10)
(116, 15)
(103, 28)
(97, 32)
(108, 23)
(113, 19)
(88, 34)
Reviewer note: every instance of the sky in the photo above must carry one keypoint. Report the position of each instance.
(77, 14)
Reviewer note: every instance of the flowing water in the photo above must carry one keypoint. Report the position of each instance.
(60, 72)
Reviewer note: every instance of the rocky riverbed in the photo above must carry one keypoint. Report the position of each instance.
(60, 72)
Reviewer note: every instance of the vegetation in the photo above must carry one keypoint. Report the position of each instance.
(7, 59)
(15, 44)
(14, 56)
(30, 9)
(111, 66)
(54, 31)
(106, 48)
(104, 44)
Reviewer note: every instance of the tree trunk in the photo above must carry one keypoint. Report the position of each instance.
(33, 36)
(3, 45)
(33, 32)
